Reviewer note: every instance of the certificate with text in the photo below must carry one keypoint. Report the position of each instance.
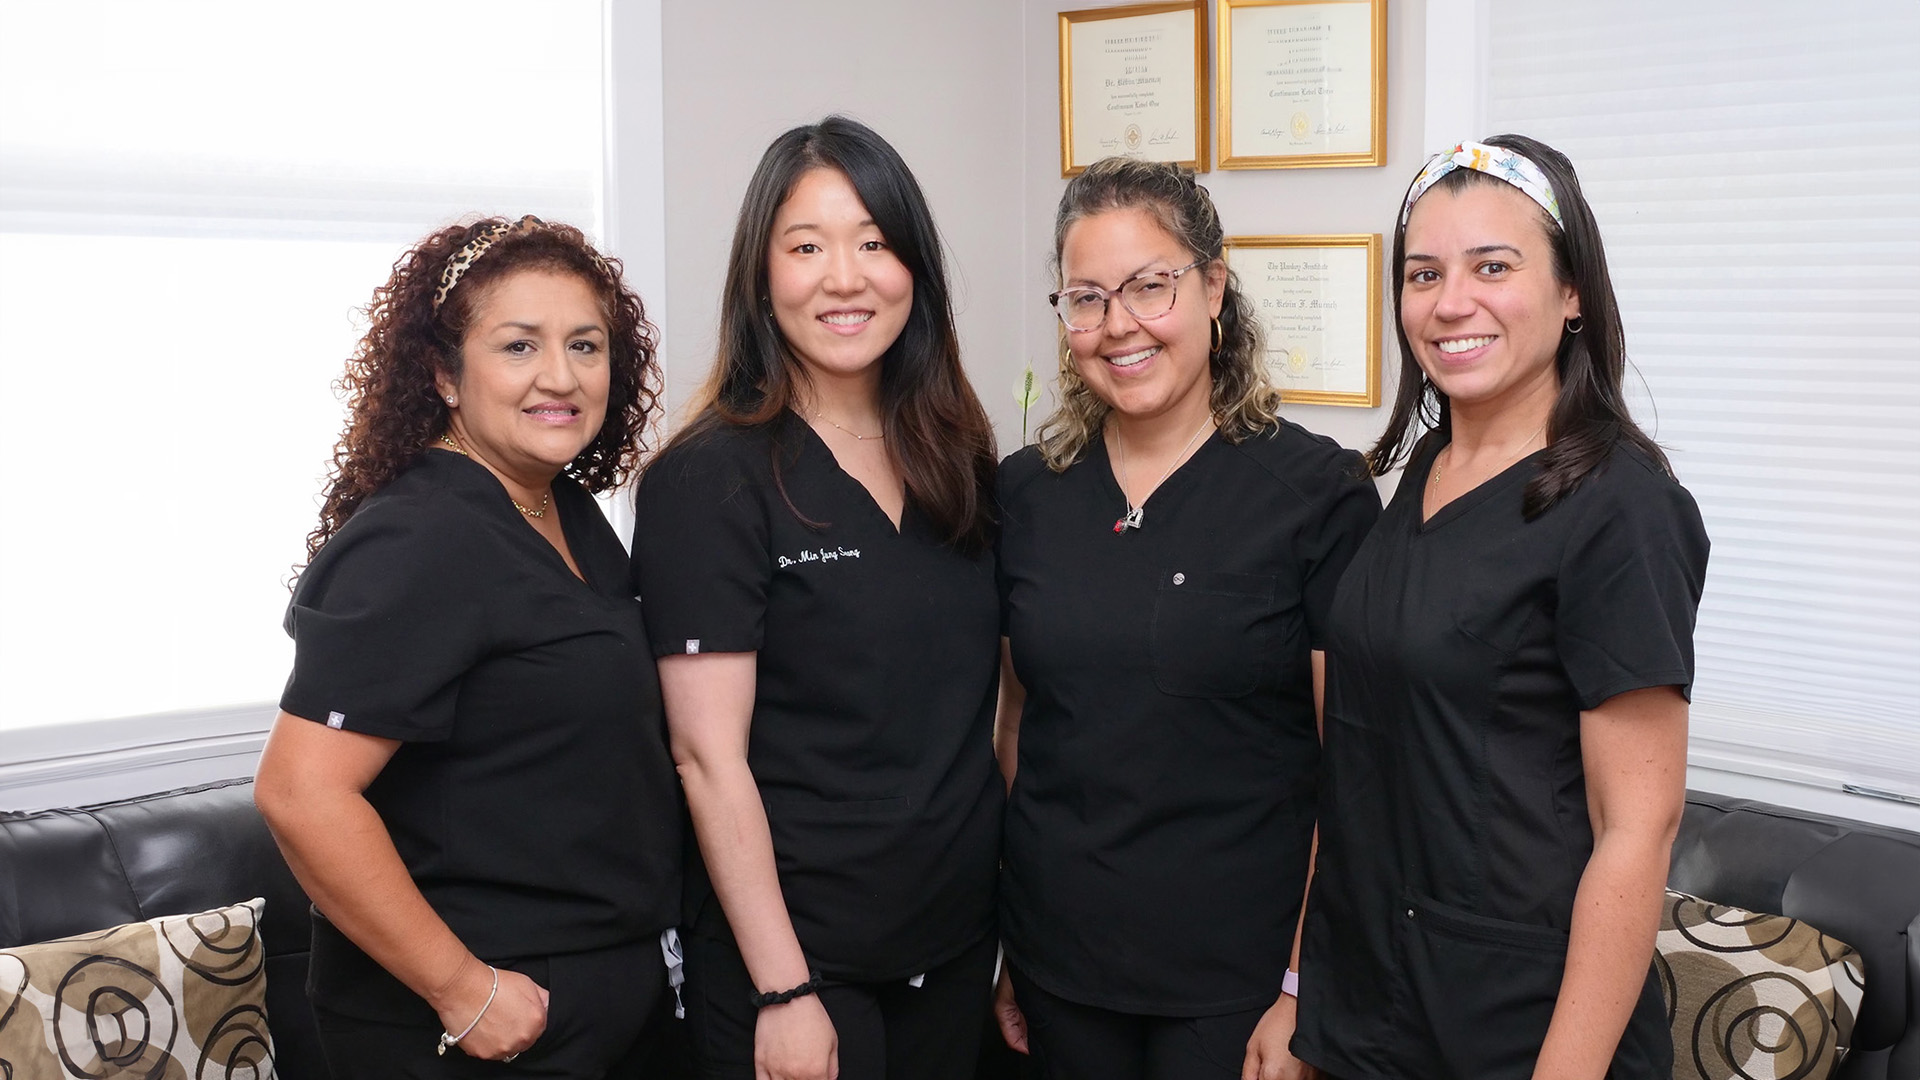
(1133, 82)
(1303, 83)
(1318, 302)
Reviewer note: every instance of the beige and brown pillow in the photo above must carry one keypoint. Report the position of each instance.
(1754, 996)
(180, 996)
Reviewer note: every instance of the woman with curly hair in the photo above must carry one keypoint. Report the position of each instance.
(1168, 552)
(468, 773)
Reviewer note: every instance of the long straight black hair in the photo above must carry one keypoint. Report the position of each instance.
(936, 430)
(1590, 415)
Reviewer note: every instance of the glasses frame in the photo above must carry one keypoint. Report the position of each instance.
(1107, 295)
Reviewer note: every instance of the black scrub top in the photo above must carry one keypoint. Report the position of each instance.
(532, 797)
(1162, 810)
(877, 673)
(1453, 821)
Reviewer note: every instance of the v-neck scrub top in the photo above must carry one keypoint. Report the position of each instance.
(1162, 809)
(877, 672)
(1453, 822)
(532, 797)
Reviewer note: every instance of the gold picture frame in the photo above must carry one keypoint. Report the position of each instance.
(1320, 319)
(1310, 88)
(1132, 66)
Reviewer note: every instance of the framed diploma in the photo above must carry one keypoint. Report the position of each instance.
(1133, 80)
(1318, 301)
(1304, 83)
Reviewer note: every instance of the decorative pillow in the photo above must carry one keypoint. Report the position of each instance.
(1754, 997)
(181, 996)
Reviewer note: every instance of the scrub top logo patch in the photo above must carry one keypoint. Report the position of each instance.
(335, 719)
(833, 554)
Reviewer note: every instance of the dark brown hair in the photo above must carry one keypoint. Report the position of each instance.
(394, 408)
(936, 430)
(1244, 400)
(1590, 415)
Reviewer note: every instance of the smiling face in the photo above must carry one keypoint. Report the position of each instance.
(1479, 301)
(1144, 369)
(532, 389)
(839, 295)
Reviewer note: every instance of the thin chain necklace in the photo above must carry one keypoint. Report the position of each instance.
(1434, 480)
(855, 434)
(1136, 516)
(546, 497)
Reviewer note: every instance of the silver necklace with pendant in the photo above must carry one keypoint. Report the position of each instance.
(1136, 516)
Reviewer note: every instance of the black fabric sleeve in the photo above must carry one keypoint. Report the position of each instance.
(1329, 540)
(1018, 470)
(384, 622)
(1630, 584)
(702, 550)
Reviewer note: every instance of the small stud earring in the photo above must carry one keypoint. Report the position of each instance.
(449, 399)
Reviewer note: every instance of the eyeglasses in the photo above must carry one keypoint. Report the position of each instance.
(1145, 296)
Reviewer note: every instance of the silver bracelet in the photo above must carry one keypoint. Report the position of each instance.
(447, 1040)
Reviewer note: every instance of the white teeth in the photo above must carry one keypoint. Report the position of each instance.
(846, 318)
(1460, 345)
(1132, 358)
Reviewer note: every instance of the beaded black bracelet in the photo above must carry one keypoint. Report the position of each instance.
(781, 997)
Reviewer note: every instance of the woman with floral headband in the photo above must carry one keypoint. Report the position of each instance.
(1508, 664)
(468, 774)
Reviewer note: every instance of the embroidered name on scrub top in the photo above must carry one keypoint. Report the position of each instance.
(822, 555)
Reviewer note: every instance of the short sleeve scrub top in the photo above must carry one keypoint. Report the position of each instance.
(876, 678)
(532, 797)
(1453, 822)
(1162, 809)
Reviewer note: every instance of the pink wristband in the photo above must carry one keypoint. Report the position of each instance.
(1290, 984)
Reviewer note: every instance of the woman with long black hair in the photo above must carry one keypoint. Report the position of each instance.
(813, 557)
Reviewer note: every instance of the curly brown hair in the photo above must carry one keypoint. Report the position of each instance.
(395, 409)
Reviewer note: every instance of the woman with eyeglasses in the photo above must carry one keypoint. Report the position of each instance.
(1168, 553)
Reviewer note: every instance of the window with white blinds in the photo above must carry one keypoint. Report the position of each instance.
(195, 198)
(1755, 166)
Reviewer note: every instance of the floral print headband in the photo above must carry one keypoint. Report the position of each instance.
(1497, 162)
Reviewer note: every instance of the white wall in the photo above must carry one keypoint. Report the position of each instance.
(1251, 202)
(942, 82)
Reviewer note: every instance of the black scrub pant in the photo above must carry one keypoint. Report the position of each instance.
(887, 1031)
(1070, 1041)
(606, 1011)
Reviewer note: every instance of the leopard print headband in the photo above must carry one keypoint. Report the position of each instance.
(470, 253)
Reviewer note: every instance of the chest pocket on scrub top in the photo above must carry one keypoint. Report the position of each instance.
(1214, 633)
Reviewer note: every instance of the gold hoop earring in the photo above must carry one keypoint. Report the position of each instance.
(1218, 338)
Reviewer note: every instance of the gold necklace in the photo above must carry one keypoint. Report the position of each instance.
(855, 434)
(1434, 480)
(1136, 516)
(546, 497)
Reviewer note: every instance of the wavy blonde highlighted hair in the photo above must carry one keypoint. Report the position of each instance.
(1244, 399)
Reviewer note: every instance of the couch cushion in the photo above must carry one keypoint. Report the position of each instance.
(1754, 995)
(1742, 853)
(181, 995)
(68, 847)
(1866, 889)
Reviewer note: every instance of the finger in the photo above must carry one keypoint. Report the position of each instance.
(1250, 1067)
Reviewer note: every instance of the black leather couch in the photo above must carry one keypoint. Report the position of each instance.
(1857, 882)
(71, 871)
(65, 872)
